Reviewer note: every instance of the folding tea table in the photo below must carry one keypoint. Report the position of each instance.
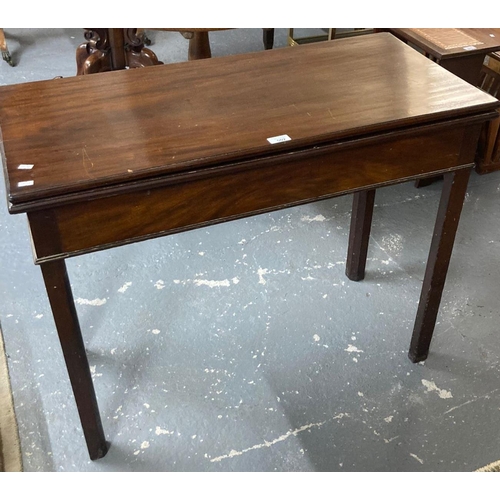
(108, 159)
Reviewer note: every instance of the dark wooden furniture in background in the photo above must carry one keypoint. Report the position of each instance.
(4, 50)
(109, 49)
(330, 34)
(488, 158)
(461, 51)
(137, 163)
(199, 41)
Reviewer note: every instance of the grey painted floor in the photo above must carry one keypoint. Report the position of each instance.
(243, 347)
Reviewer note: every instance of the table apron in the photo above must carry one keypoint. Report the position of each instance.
(100, 223)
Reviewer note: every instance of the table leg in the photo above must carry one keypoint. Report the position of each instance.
(117, 48)
(450, 207)
(110, 49)
(268, 38)
(199, 46)
(136, 55)
(359, 235)
(94, 56)
(70, 337)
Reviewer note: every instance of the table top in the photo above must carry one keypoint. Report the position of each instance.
(82, 133)
(446, 43)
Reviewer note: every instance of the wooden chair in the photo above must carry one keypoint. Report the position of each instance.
(488, 157)
(3, 48)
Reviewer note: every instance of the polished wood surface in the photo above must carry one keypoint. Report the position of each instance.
(174, 118)
(459, 50)
(462, 51)
(188, 147)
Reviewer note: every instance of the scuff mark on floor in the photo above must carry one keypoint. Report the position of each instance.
(352, 348)
(416, 458)
(234, 453)
(212, 283)
(87, 302)
(267, 444)
(160, 284)
(262, 272)
(125, 287)
(318, 218)
(431, 386)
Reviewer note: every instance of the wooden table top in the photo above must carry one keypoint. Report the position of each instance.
(446, 43)
(81, 133)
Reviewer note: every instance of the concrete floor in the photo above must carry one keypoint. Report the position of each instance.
(243, 347)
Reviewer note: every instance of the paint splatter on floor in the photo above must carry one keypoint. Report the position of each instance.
(431, 386)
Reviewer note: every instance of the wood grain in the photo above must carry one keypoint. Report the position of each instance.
(100, 130)
(248, 188)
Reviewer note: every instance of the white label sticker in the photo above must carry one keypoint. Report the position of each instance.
(25, 183)
(470, 47)
(279, 138)
(23, 166)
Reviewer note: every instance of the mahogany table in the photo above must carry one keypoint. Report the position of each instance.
(174, 147)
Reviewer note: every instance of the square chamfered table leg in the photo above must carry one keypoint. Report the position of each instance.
(359, 234)
(70, 337)
(450, 207)
(452, 197)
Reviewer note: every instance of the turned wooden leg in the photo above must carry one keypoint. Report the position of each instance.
(199, 46)
(70, 337)
(450, 207)
(117, 48)
(359, 235)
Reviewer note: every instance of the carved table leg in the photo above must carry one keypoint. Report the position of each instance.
(95, 55)
(450, 207)
(110, 49)
(138, 56)
(70, 337)
(359, 235)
